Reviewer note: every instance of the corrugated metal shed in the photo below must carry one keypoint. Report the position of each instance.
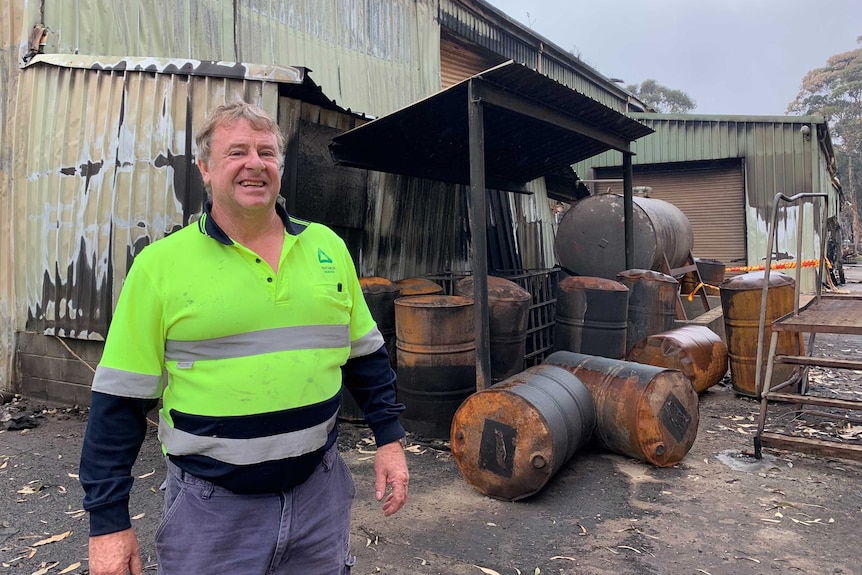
(481, 23)
(369, 56)
(777, 157)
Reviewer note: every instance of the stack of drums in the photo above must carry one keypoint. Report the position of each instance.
(741, 299)
(380, 295)
(695, 350)
(652, 303)
(508, 312)
(646, 412)
(435, 337)
(591, 316)
(510, 439)
(418, 286)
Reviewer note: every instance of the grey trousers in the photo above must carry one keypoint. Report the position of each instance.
(209, 530)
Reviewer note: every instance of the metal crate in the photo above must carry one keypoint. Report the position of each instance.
(542, 286)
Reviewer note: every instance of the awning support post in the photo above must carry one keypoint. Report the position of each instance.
(479, 233)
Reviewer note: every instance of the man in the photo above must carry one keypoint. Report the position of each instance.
(256, 318)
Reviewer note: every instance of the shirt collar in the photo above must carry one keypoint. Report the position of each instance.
(208, 225)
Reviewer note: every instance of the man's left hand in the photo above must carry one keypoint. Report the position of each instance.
(390, 469)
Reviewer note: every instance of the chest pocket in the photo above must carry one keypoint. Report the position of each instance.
(332, 305)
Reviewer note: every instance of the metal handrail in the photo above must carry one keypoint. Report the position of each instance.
(819, 271)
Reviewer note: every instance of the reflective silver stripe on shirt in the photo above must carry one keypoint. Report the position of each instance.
(126, 383)
(367, 344)
(246, 451)
(258, 342)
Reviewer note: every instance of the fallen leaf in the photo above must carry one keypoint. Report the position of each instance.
(491, 524)
(630, 548)
(4, 464)
(73, 475)
(139, 516)
(45, 569)
(145, 475)
(486, 571)
(70, 568)
(53, 539)
(563, 557)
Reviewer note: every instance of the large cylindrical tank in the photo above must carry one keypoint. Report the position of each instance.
(380, 295)
(591, 236)
(741, 298)
(591, 316)
(652, 303)
(510, 439)
(695, 350)
(649, 413)
(508, 311)
(435, 336)
(418, 286)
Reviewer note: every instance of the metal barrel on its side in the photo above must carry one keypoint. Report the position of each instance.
(508, 312)
(418, 286)
(695, 350)
(435, 336)
(741, 298)
(592, 315)
(649, 413)
(380, 295)
(510, 439)
(652, 303)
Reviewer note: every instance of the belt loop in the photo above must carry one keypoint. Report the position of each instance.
(207, 490)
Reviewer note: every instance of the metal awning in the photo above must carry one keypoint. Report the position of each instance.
(533, 126)
(497, 129)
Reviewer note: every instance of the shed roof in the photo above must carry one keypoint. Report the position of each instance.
(533, 126)
(294, 81)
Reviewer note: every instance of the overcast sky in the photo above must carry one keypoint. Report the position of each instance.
(743, 57)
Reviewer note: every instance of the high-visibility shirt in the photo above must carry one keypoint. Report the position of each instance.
(248, 362)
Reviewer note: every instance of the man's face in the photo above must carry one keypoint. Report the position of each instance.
(243, 168)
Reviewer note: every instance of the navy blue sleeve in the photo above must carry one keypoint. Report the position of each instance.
(371, 381)
(115, 432)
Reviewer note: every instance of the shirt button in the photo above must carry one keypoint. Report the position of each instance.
(269, 280)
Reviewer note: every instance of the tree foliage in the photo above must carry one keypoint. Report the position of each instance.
(661, 98)
(835, 92)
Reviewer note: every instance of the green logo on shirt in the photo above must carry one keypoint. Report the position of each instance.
(322, 257)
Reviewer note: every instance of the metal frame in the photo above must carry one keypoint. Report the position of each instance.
(823, 314)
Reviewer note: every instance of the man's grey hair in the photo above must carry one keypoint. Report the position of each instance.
(230, 113)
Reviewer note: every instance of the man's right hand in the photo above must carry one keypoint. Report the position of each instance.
(115, 554)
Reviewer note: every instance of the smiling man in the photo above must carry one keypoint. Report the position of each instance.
(256, 318)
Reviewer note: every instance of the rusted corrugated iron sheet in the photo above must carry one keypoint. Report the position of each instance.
(104, 166)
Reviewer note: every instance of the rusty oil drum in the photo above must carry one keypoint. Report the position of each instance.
(510, 439)
(652, 303)
(508, 312)
(711, 273)
(418, 286)
(741, 297)
(435, 337)
(695, 350)
(591, 316)
(646, 412)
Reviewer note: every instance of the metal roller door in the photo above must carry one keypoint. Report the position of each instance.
(459, 61)
(712, 198)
